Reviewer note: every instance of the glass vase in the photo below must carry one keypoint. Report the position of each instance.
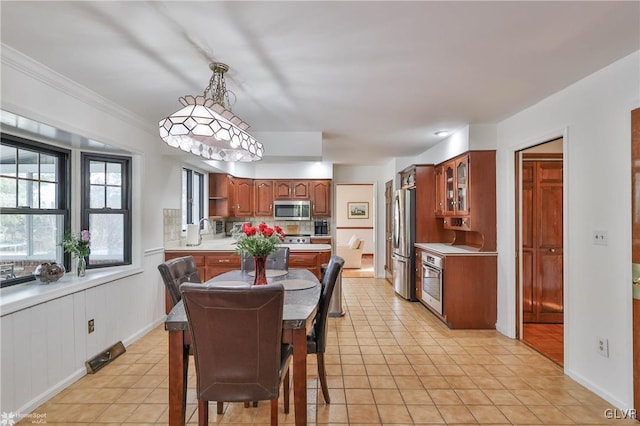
(260, 277)
(81, 268)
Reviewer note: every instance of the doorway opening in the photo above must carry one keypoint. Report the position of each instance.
(539, 268)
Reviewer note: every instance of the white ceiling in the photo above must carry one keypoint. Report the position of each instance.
(377, 79)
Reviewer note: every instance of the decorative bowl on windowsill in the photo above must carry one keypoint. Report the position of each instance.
(49, 272)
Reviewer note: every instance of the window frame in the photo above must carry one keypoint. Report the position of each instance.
(190, 176)
(126, 202)
(63, 201)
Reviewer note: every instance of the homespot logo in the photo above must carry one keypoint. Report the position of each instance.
(614, 413)
(11, 418)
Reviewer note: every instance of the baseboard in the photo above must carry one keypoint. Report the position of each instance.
(49, 393)
(615, 402)
(131, 339)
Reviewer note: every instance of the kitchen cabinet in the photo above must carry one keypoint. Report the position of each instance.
(320, 191)
(465, 194)
(469, 289)
(241, 196)
(440, 191)
(309, 260)
(291, 190)
(263, 197)
(456, 185)
(418, 282)
(217, 263)
(230, 196)
(321, 240)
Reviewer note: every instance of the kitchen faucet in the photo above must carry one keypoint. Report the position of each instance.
(204, 219)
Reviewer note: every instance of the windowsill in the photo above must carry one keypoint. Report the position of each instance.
(23, 296)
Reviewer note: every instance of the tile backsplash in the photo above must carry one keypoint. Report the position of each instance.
(172, 224)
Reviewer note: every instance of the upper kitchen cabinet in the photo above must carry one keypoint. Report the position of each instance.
(291, 190)
(241, 194)
(320, 191)
(263, 197)
(230, 196)
(466, 197)
(455, 175)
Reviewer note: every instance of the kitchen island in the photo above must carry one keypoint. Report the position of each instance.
(216, 256)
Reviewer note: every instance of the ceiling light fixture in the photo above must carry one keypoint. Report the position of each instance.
(205, 126)
(441, 133)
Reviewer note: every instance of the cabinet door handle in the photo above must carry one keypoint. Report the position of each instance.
(552, 250)
(313, 206)
(270, 206)
(223, 261)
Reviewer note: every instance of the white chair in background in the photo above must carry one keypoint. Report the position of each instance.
(351, 253)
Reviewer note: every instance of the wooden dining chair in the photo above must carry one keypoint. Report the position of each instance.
(177, 271)
(317, 338)
(174, 272)
(237, 344)
(278, 260)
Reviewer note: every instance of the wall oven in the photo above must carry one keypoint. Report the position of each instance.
(432, 280)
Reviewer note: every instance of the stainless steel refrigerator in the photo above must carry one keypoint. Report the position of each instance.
(404, 235)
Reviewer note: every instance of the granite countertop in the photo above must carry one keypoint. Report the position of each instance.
(451, 250)
(228, 244)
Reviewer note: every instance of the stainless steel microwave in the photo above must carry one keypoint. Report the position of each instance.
(292, 210)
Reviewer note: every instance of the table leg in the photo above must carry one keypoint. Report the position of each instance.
(300, 376)
(178, 365)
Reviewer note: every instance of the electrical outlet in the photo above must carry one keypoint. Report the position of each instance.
(603, 346)
(91, 326)
(600, 238)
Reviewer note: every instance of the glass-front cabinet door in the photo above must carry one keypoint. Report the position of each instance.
(462, 185)
(449, 182)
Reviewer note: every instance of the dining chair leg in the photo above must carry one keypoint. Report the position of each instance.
(274, 412)
(286, 392)
(203, 413)
(322, 374)
(220, 407)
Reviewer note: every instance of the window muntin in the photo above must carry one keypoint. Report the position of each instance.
(34, 206)
(106, 208)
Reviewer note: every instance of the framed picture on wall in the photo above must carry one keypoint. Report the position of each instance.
(358, 210)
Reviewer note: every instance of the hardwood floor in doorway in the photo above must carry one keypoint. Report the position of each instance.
(548, 339)
(365, 271)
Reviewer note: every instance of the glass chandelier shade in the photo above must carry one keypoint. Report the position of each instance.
(206, 127)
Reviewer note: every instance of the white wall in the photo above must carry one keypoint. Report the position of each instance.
(34, 363)
(346, 193)
(376, 175)
(593, 116)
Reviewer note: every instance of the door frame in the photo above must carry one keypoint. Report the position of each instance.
(518, 159)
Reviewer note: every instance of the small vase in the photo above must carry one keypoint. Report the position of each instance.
(260, 271)
(82, 267)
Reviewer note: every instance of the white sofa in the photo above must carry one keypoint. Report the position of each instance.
(351, 253)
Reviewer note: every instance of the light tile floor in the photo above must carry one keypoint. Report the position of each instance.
(389, 361)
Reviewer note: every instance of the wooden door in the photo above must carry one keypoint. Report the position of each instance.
(320, 198)
(440, 187)
(542, 250)
(635, 252)
(388, 230)
(300, 190)
(263, 197)
(282, 190)
(243, 197)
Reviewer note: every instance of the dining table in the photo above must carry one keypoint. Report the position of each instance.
(302, 293)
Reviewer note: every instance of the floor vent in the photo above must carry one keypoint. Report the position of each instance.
(100, 360)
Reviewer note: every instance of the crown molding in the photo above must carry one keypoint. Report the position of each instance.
(24, 64)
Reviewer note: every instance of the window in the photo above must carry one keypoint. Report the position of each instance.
(192, 197)
(106, 208)
(34, 206)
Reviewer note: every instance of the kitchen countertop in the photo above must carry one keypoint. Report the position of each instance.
(451, 250)
(228, 244)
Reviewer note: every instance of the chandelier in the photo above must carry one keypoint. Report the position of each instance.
(205, 126)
